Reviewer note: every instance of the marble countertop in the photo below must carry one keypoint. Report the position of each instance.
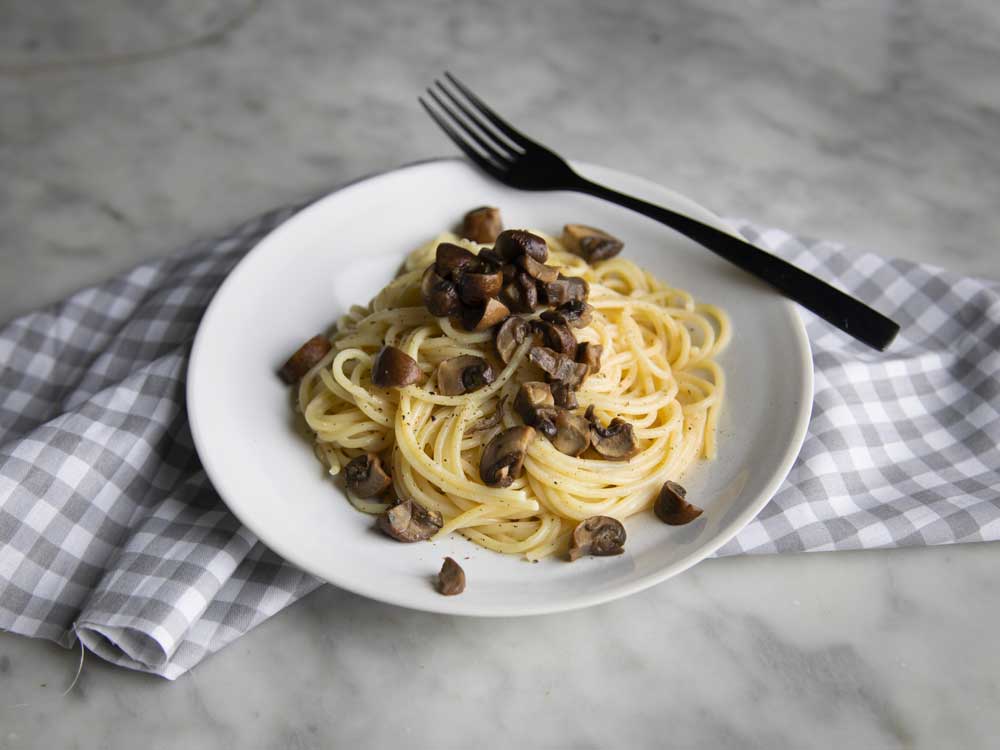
(128, 133)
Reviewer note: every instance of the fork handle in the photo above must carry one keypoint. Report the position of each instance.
(836, 307)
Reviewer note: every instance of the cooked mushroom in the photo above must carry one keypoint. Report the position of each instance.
(616, 441)
(534, 404)
(451, 258)
(534, 269)
(672, 507)
(439, 294)
(510, 335)
(394, 368)
(592, 243)
(307, 357)
(475, 287)
(489, 256)
(564, 289)
(451, 579)
(575, 313)
(590, 355)
(407, 521)
(558, 366)
(521, 294)
(482, 224)
(599, 536)
(462, 374)
(486, 316)
(556, 336)
(564, 395)
(572, 433)
(365, 476)
(514, 242)
(503, 457)
(487, 423)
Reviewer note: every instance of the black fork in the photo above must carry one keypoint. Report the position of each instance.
(514, 159)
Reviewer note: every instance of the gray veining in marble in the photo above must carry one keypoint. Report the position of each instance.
(128, 130)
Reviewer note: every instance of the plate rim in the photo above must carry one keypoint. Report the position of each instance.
(447, 605)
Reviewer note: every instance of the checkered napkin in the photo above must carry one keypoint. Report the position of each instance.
(111, 533)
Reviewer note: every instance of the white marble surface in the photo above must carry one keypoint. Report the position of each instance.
(127, 131)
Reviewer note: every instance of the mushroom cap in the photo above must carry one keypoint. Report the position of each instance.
(616, 441)
(462, 374)
(520, 294)
(485, 317)
(537, 270)
(439, 294)
(600, 536)
(510, 335)
(575, 313)
(394, 368)
(534, 405)
(558, 366)
(564, 289)
(407, 521)
(564, 395)
(482, 224)
(512, 243)
(305, 358)
(572, 433)
(592, 243)
(503, 457)
(451, 258)
(557, 336)
(475, 287)
(672, 507)
(451, 578)
(589, 354)
(365, 477)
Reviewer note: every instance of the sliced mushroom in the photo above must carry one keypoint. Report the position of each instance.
(451, 258)
(503, 457)
(451, 579)
(307, 357)
(556, 336)
(575, 313)
(600, 536)
(512, 243)
(510, 335)
(439, 294)
(564, 289)
(482, 224)
(534, 404)
(407, 521)
(558, 366)
(592, 243)
(484, 317)
(365, 476)
(534, 269)
(564, 395)
(672, 507)
(486, 255)
(462, 374)
(475, 287)
(590, 355)
(616, 441)
(394, 368)
(521, 294)
(572, 433)
(487, 423)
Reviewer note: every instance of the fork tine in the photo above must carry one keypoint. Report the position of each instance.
(518, 137)
(481, 161)
(497, 156)
(488, 131)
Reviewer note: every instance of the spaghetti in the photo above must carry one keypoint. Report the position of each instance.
(658, 372)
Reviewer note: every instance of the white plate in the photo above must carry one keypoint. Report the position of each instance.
(345, 247)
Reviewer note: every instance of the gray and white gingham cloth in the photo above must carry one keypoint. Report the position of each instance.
(111, 533)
